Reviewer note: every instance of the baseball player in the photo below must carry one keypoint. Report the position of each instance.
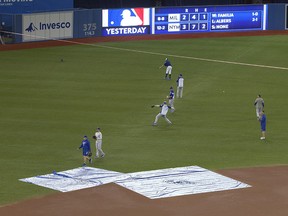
(171, 99)
(262, 120)
(164, 109)
(259, 105)
(86, 150)
(98, 144)
(180, 86)
(168, 66)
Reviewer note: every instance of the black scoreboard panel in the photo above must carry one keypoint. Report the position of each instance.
(208, 19)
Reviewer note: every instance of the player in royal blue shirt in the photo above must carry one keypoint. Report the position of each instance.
(168, 66)
(262, 120)
(171, 99)
(86, 150)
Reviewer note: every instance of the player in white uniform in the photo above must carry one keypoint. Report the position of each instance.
(180, 86)
(259, 105)
(98, 143)
(164, 109)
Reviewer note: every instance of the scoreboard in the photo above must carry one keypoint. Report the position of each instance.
(208, 19)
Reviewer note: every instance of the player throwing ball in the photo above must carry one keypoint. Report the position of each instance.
(164, 109)
(98, 144)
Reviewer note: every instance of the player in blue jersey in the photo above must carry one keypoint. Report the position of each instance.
(262, 120)
(86, 150)
(168, 66)
(171, 97)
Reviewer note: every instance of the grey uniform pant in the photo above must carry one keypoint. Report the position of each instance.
(99, 148)
(179, 92)
(164, 116)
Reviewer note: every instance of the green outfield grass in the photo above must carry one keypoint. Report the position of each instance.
(48, 105)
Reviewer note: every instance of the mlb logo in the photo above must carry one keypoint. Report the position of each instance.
(126, 17)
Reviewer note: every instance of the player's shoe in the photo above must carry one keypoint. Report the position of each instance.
(262, 138)
(154, 124)
(103, 155)
(90, 160)
(84, 164)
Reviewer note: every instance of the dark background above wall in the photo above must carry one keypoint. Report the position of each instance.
(163, 3)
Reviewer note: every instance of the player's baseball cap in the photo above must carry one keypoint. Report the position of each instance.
(85, 137)
(164, 102)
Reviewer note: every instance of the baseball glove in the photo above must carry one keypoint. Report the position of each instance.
(89, 154)
(94, 137)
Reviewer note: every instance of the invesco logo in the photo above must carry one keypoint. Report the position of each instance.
(48, 26)
(58, 25)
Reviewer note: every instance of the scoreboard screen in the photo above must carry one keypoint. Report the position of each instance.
(208, 19)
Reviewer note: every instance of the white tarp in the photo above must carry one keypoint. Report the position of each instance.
(152, 184)
(75, 179)
(177, 182)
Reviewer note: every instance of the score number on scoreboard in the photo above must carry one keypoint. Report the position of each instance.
(206, 19)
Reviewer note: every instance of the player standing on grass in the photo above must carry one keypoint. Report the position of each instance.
(171, 99)
(262, 120)
(164, 109)
(259, 105)
(168, 66)
(98, 144)
(86, 150)
(180, 86)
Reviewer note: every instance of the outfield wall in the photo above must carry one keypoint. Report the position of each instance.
(72, 24)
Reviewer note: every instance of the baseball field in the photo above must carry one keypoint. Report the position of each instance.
(48, 105)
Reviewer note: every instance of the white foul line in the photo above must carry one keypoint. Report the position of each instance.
(169, 55)
(194, 58)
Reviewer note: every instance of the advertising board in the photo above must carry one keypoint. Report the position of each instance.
(47, 26)
(126, 21)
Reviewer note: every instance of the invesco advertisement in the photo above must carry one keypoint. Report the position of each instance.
(47, 26)
(126, 21)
